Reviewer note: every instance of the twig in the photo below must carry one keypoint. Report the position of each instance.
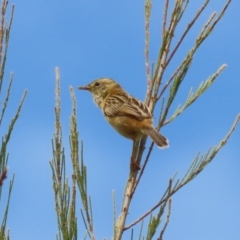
(148, 6)
(4, 31)
(169, 81)
(119, 226)
(164, 199)
(192, 97)
(6, 98)
(131, 234)
(4, 220)
(151, 99)
(156, 81)
(141, 229)
(165, 17)
(143, 167)
(220, 15)
(114, 211)
(194, 170)
(186, 31)
(85, 223)
(3, 176)
(184, 66)
(167, 219)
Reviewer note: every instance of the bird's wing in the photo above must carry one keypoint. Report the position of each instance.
(121, 104)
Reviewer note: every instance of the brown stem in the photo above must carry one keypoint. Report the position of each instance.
(186, 31)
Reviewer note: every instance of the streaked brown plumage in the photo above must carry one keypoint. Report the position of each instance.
(128, 116)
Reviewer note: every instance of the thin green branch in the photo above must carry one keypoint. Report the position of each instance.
(148, 6)
(141, 230)
(190, 24)
(85, 223)
(4, 221)
(155, 221)
(3, 176)
(165, 17)
(162, 56)
(196, 167)
(80, 171)
(192, 97)
(6, 138)
(4, 32)
(211, 25)
(65, 198)
(114, 211)
(6, 99)
(131, 238)
(143, 168)
(167, 219)
(151, 99)
(184, 66)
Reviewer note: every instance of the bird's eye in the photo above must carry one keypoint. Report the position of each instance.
(96, 84)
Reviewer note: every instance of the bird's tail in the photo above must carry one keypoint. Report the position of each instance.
(157, 138)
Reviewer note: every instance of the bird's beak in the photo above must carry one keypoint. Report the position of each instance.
(85, 88)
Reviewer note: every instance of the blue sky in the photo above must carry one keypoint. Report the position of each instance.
(92, 39)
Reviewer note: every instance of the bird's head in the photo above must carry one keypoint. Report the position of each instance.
(100, 87)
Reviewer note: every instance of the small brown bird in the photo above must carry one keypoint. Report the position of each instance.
(128, 116)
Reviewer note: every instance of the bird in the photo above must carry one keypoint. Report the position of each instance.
(129, 116)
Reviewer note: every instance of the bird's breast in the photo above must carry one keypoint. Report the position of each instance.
(129, 127)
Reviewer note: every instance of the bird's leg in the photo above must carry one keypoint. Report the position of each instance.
(134, 165)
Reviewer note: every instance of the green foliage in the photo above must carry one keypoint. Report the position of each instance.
(4, 156)
(65, 198)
